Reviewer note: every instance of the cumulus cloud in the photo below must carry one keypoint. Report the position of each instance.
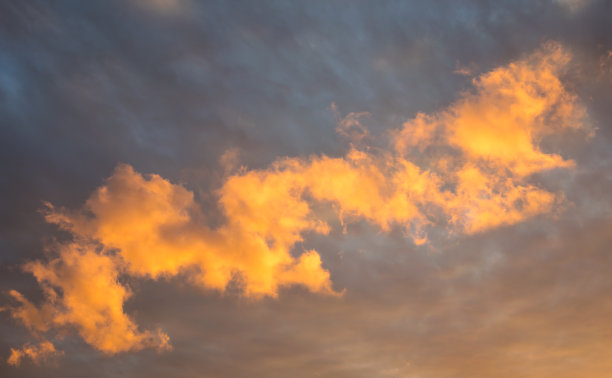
(37, 353)
(81, 290)
(486, 144)
(466, 169)
(154, 227)
(148, 227)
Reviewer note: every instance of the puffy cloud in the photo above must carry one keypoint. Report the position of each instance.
(82, 290)
(485, 146)
(156, 228)
(36, 353)
(466, 168)
(148, 227)
(512, 108)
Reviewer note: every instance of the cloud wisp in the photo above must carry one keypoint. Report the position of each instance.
(465, 169)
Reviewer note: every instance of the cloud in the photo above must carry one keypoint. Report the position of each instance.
(148, 227)
(36, 353)
(465, 169)
(157, 229)
(486, 144)
(82, 291)
(512, 108)
(605, 63)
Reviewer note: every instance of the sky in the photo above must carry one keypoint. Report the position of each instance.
(305, 189)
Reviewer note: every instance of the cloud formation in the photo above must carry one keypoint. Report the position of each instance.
(37, 353)
(82, 291)
(494, 134)
(465, 169)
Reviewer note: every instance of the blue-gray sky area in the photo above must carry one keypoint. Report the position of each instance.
(305, 188)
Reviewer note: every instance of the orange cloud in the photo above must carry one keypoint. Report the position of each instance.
(484, 147)
(512, 108)
(148, 227)
(36, 353)
(81, 289)
(154, 226)
(466, 168)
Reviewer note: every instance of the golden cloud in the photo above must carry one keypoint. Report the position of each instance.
(36, 353)
(82, 291)
(465, 168)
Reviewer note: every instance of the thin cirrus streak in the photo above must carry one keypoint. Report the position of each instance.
(465, 168)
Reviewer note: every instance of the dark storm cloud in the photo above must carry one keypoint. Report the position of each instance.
(169, 86)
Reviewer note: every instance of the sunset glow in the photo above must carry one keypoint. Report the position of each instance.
(461, 234)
